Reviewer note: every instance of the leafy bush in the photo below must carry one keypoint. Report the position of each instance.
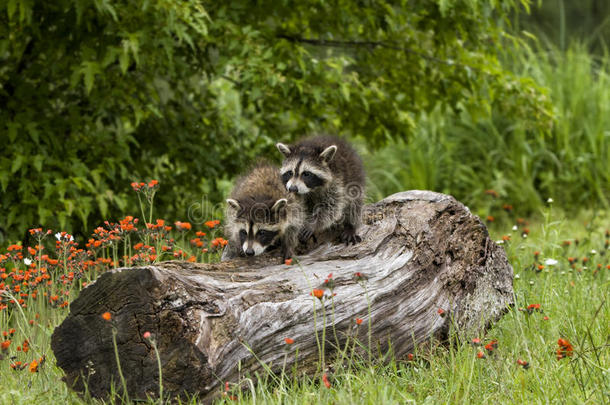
(94, 95)
(454, 153)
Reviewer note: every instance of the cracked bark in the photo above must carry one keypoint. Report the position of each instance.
(421, 251)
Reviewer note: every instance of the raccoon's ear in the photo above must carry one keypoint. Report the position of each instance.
(233, 203)
(283, 148)
(279, 204)
(329, 153)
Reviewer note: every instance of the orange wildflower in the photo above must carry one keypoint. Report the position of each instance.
(107, 316)
(288, 341)
(219, 242)
(565, 348)
(212, 223)
(523, 363)
(288, 262)
(183, 226)
(358, 321)
(4, 345)
(317, 293)
(325, 380)
(33, 366)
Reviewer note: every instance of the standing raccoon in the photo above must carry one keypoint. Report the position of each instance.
(261, 215)
(328, 176)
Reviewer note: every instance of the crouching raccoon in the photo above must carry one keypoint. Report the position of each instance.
(261, 215)
(327, 176)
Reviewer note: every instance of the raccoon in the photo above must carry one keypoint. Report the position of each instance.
(261, 215)
(327, 174)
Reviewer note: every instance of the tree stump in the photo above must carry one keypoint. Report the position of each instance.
(421, 252)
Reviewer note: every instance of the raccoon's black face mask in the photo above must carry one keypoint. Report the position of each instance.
(304, 172)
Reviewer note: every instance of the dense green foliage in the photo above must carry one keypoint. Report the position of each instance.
(457, 154)
(94, 95)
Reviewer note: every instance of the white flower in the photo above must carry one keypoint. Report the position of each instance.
(593, 251)
(515, 227)
(499, 242)
(550, 262)
(27, 261)
(517, 277)
(531, 283)
(58, 236)
(550, 200)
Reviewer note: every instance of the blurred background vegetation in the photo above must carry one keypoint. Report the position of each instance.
(456, 96)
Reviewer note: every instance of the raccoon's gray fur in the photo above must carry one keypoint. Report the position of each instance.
(261, 215)
(328, 176)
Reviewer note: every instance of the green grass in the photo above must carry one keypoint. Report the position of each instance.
(456, 154)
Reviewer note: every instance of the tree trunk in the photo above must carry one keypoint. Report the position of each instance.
(421, 252)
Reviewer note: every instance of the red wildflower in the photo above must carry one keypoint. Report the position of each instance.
(492, 193)
(4, 345)
(546, 318)
(106, 316)
(506, 238)
(33, 366)
(288, 262)
(288, 341)
(476, 341)
(152, 183)
(533, 307)
(490, 218)
(491, 346)
(410, 356)
(565, 348)
(325, 380)
(507, 207)
(540, 267)
(523, 363)
(480, 355)
(146, 335)
(441, 312)
(359, 321)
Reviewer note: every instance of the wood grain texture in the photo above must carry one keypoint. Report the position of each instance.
(421, 251)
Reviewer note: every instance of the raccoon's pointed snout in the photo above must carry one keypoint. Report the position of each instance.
(293, 189)
(250, 252)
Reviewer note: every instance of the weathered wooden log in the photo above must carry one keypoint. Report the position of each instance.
(421, 251)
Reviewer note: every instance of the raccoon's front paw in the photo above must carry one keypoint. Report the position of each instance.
(305, 234)
(349, 236)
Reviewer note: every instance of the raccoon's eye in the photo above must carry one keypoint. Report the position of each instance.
(286, 176)
(262, 233)
(243, 233)
(307, 174)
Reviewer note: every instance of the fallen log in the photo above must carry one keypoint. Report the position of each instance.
(421, 252)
